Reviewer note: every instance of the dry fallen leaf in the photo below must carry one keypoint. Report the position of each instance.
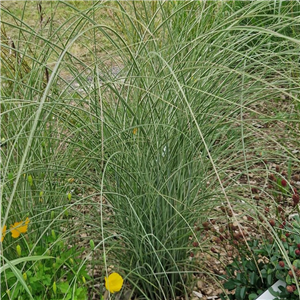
(197, 294)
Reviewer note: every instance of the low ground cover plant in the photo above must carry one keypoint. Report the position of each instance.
(62, 274)
(251, 275)
(260, 262)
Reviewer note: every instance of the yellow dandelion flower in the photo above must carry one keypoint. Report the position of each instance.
(3, 233)
(134, 131)
(19, 227)
(113, 282)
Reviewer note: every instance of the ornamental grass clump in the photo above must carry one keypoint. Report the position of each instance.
(189, 96)
(133, 123)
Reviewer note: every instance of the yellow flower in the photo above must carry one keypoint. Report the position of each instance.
(134, 131)
(113, 282)
(3, 233)
(18, 228)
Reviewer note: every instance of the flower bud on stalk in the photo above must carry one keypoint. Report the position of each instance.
(19, 250)
(283, 183)
(54, 287)
(281, 264)
(30, 180)
(92, 244)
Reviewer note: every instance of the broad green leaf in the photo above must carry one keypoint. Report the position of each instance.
(296, 263)
(269, 279)
(253, 278)
(243, 290)
(64, 287)
(230, 285)
(238, 293)
(288, 279)
(252, 296)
